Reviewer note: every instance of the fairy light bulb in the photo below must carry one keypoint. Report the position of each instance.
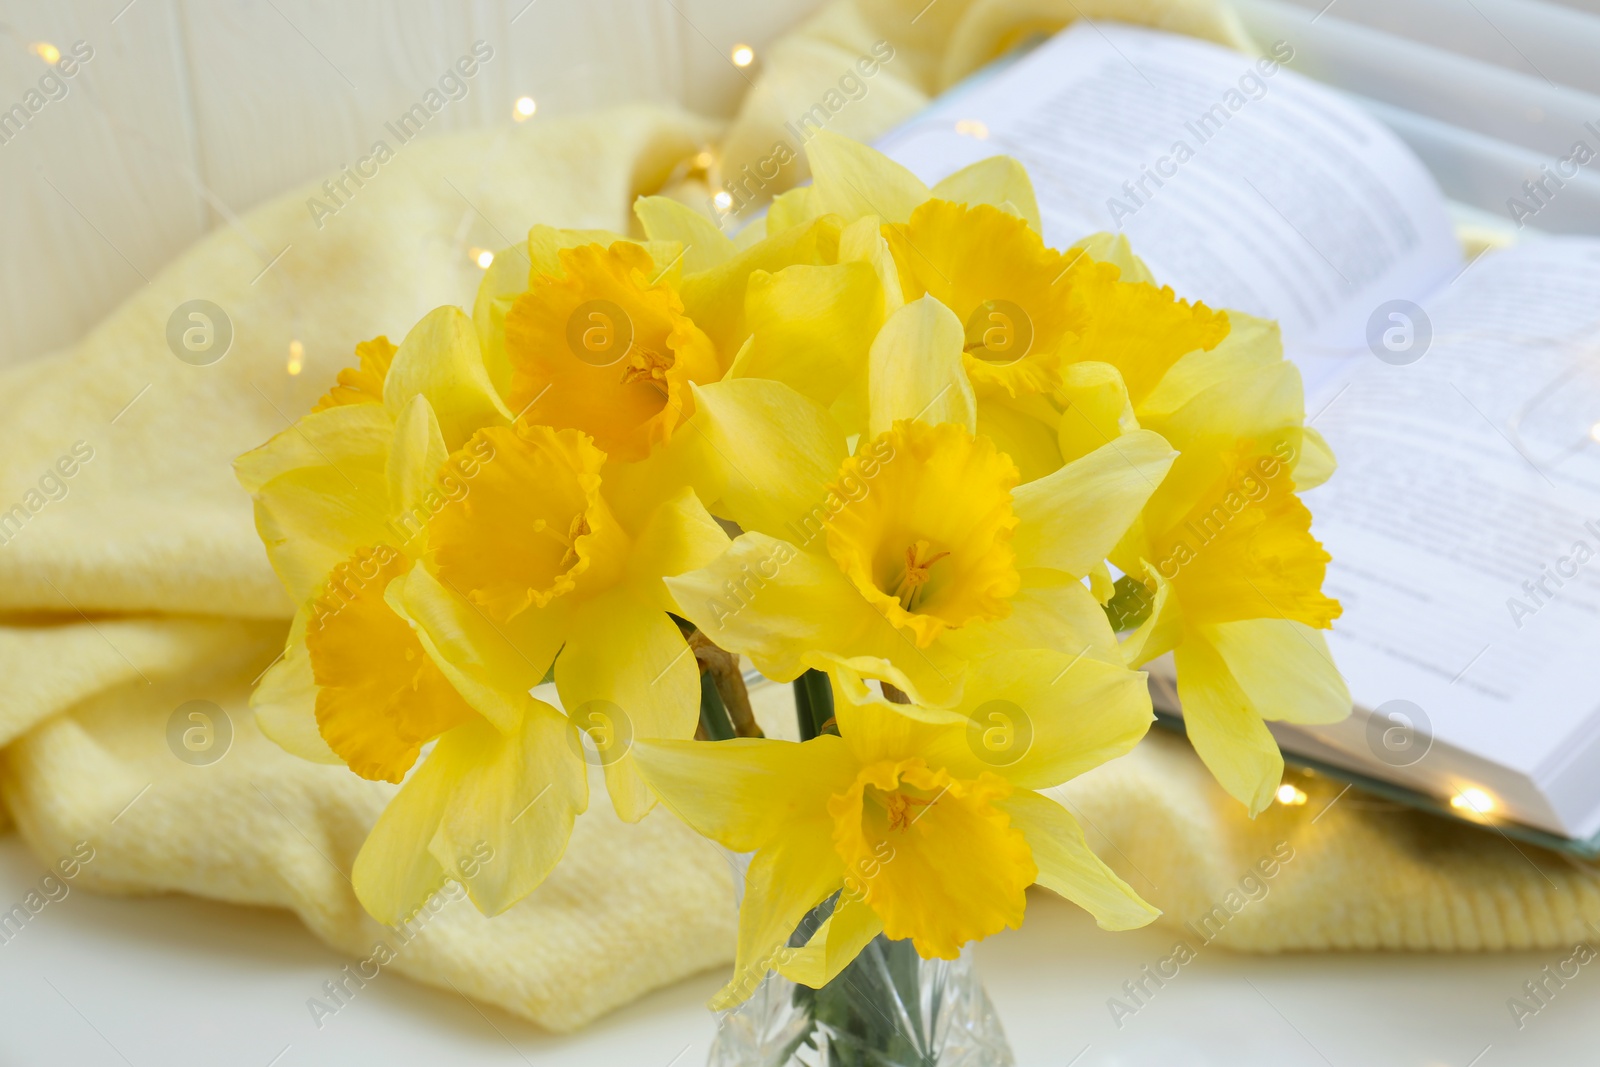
(977, 129)
(704, 160)
(1594, 432)
(524, 108)
(1290, 795)
(723, 201)
(1473, 799)
(743, 55)
(297, 357)
(45, 51)
(482, 257)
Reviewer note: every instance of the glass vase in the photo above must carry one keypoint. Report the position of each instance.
(888, 1008)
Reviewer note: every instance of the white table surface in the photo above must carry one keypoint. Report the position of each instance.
(173, 981)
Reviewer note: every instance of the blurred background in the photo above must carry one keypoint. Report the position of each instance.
(189, 112)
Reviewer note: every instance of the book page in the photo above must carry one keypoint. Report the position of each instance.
(1239, 182)
(1464, 519)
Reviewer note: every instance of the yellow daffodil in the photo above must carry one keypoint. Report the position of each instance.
(605, 348)
(928, 832)
(379, 510)
(1234, 576)
(919, 552)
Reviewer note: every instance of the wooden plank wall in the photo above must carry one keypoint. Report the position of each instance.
(190, 109)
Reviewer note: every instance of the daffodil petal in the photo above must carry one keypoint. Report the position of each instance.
(503, 282)
(1315, 463)
(439, 359)
(1224, 727)
(1051, 610)
(863, 242)
(545, 244)
(1161, 630)
(626, 664)
(852, 180)
(1068, 866)
(764, 454)
(916, 369)
(395, 873)
(998, 180)
(1259, 402)
(837, 942)
(876, 730)
(715, 299)
(665, 219)
(1284, 667)
(350, 434)
(744, 792)
(313, 518)
(1020, 434)
(811, 327)
(752, 234)
(1072, 519)
(492, 665)
(1114, 248)
(415, 461)
(679, 536)
(1251, 345)
(932, 678)
(1096, 409)
(792, 609)
(787, 878)
(1042, 717)
(285, 701)
(510, 813)
(791, 209)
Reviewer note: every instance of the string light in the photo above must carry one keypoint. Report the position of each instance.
(974, 128)
(524, 108)
(1473, 799)
(1290, 795)
(297, 356)
(482, 257)
(743, 55)
(45, 51)
(723, 200)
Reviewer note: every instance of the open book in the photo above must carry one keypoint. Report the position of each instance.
(1462, 400)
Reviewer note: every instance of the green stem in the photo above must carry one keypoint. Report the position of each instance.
(713, 715)
(813, 703)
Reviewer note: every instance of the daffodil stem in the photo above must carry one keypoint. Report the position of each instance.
(1129, 605)
(722, 667)
(813, 703)
(714, 720)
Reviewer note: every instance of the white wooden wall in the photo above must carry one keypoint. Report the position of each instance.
(191, 109)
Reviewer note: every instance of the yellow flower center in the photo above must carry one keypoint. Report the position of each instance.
(926, 535)
(933, 855)
(379, 697)
(606, 350)
(531, 525)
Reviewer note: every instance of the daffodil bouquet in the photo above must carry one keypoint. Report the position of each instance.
(954, 484)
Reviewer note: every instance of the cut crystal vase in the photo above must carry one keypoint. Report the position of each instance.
(888, 1008)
